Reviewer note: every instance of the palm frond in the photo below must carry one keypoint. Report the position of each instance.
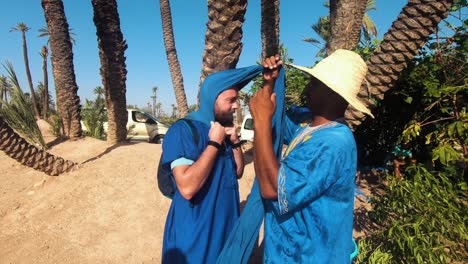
(369, 26)
(44, 32)
(18, 113)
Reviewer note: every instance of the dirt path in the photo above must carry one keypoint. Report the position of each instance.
(107, 211)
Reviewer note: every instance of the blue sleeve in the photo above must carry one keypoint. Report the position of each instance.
(312, 168)
(294, 117)
(178, 143)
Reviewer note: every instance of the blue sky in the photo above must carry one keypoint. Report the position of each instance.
(146, 60)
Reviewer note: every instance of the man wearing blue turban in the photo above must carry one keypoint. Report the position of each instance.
(205, 205)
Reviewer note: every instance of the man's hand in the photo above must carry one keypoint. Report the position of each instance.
(217, 132)
(232, 133)
(263, 103)
(271, 67)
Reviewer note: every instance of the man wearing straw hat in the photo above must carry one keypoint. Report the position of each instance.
(309, 193)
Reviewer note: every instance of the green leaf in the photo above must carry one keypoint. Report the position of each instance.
(445, 154)
(463, 186)
(409, 100)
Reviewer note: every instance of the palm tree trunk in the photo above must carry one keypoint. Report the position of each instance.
(223, 37)
(345, 24)
(45, 106)
(28, 74)
(270, 36)
(112, 48)
(173, 61)
(270, 27)
(417, 20)
(19, 149)
(68, 102)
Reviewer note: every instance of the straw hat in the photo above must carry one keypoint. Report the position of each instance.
(342, 71)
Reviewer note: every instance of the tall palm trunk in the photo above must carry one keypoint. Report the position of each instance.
(223, 37)
(68, 102)
(270, 27)
(19, 149)
(417, 20)
(23, 28)
(28, 74)
(45, 104)
(345, 24)
(172, 60)
(270, 35)
(112, 48)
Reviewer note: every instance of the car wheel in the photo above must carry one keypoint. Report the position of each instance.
(158, 139)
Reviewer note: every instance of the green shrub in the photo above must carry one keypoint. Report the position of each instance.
(93, 116)
(423, 217)
(56, 124)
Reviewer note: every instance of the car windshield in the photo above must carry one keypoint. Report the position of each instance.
(155, 119)
(248, 124)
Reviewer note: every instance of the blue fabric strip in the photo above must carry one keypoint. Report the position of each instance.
(181, 161)
(242, 238)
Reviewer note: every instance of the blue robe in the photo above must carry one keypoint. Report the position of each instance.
(312, 220)
(196, 230)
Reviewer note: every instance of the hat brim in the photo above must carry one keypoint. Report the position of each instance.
(351, 99)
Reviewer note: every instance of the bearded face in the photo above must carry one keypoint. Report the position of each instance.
(225, 106)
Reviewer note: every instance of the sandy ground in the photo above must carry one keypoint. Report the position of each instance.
(107, 211)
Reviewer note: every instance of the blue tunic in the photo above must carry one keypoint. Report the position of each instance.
(312, 220)
(195, 230)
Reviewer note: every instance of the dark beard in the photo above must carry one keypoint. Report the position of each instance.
(226, 123)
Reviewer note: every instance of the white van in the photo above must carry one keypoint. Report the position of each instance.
(141, 126)
(247, 132)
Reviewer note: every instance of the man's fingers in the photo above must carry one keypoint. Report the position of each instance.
(270, 62)
(229, 130)
(273, 62)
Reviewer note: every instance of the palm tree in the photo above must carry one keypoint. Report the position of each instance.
(174, 111)
(417, 20)
(45, 97)
(322, 28)
(99, 92)
(19, 149)
(43, 32)
(18, 113)
(345, 24)
(270, 28)
(112, 48)
(173, 61)
(223, 37)
(68, 102)
(158, 109)
(40, 95)
(270, 39)
(154, 97)
(368, 28)
(5, 89)
(21, 27)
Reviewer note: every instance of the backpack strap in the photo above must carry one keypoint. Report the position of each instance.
(193, 129)
(195, 137)
(165, 184)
